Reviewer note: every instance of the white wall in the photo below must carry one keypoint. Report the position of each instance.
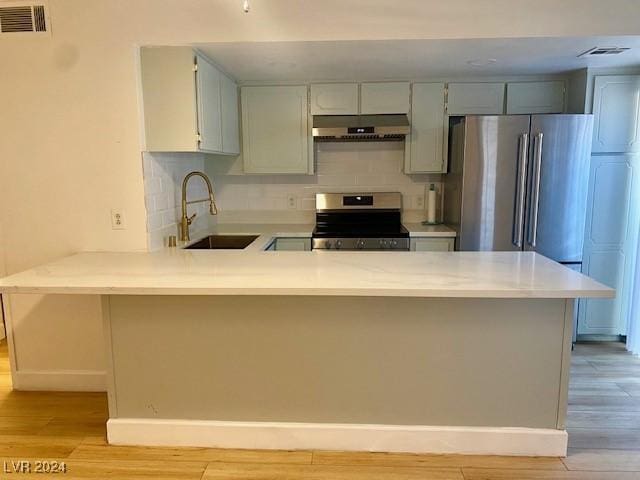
(70, 124)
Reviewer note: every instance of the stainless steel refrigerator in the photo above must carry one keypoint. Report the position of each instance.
(519, 182)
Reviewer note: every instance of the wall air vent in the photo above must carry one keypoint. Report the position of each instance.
(22, 18)
(600, 51)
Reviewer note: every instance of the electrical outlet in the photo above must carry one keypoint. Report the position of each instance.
(118, 219)
(292, 201)
(419, 201)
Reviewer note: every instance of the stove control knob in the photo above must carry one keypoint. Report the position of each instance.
(383, 243)
(328, 244)
(338, 244)
(360, 244)
(394, 243)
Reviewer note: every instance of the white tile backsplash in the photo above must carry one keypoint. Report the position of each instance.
(340, 167)
(163, 176)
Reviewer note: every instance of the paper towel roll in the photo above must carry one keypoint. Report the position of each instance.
(431, 205)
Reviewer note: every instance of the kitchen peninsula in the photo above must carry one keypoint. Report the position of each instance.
(459, 352)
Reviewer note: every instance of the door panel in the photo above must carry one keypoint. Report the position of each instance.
(602, 316)
(334, 99)
(475, 99)
(380, 98)
(230, 120)
(489, 181)
(275, 132)
(209, 106)
(616, 106)
(564, 181)
(427, 128)
(610, 245)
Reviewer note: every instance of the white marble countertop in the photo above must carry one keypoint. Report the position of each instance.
(268, 231)
(420, 230)
(242, 272)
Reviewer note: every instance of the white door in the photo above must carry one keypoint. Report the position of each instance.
(334, 99)
(535, 97)
(209, 106)
(428, 133)
(616, 107)
(475, 99)
(230, 118)
(389, 97)
(275, 134)
(611, 235)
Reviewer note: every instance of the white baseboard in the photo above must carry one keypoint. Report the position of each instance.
(60, 380)
(347, 437)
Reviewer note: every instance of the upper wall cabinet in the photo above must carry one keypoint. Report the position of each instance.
(475, 98)
(616, 107)
(535, 97)
(427, 145)
(390, 97)
(275, 130)
(334, 99)
(189, 105)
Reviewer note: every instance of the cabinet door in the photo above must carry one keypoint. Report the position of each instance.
(209, 106)
(475, 99)
(230, 119)
(293, 244)
(610, 243)
(432, 244)
(427, 141)
(169, 99)
(535, 97)
(334, 99)
(275, 135)
(391, 97)
(616, 107)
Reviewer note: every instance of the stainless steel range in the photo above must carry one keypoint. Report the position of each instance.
(359, 221)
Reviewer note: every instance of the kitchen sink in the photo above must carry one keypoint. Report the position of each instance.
(223, 242)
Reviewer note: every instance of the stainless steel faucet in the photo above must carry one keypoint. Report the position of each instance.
(186, 221)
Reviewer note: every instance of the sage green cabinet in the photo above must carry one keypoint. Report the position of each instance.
(475, 99)
(187, 103)
(297, 244)
(535, 97)
(384, 97)
(275, 129)
(616, 108)
(432, 244)
(425, 150)
(334, 99)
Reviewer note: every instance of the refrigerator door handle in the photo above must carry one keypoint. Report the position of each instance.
(535, 190)
(521, 186)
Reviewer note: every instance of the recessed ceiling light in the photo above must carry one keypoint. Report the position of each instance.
(482, 62)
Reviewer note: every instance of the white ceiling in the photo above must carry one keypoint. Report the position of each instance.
(413, 59)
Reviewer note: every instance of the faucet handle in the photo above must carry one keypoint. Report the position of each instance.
(190, 219)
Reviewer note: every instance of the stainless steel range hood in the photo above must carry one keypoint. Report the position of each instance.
(364, 128)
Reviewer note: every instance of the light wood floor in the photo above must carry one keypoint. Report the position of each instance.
(604, 419)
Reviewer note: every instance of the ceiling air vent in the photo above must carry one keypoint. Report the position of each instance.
(23, 19)
(599, 51)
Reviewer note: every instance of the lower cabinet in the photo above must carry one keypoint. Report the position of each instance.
(291, 244)
(433, 244)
